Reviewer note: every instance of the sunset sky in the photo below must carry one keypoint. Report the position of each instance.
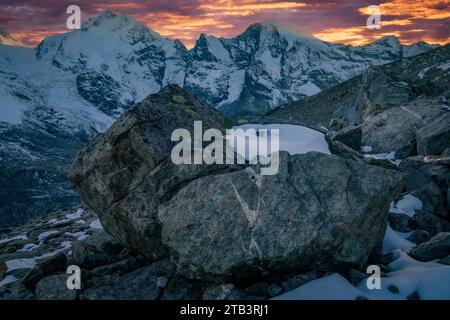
(336, 21)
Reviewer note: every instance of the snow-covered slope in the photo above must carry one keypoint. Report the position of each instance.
(272, 63)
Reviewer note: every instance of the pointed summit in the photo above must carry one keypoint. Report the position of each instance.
(8, 39)
(287, 30)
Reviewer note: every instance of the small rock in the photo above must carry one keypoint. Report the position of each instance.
(387, 258)
(180, 288)
(274, 290)
(223, 292)
(432, 198)
(429, 222)
(18, 292)
(434, 138)
(393, 289)
(3, 269)
(257, 289)
(399, 221)
(161, 282)
(350, 136)
(437, 247)
(419, 236)
(141, 284)
(356, 276)
(44, 267)
(54, 287)
(445, 260)
(295, 282)
(88, 256)
(413, 296)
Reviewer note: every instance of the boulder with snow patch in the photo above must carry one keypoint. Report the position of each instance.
(319, 211)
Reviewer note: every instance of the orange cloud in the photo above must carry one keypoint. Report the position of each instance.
(117, 6)
(231, 6)
(430, 9)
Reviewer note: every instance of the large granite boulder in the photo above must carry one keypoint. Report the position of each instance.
(319, 211)
(125, 173)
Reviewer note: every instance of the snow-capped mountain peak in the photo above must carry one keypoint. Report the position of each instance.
(287, 30)
(8, 39)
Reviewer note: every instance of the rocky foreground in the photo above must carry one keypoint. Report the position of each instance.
(34, 259)
(167, 231)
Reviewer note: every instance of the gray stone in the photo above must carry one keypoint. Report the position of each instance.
(141, 284)
(350, 136)
(399, 221)
(295, 282)
(445, 260)
(180, 288)
(257, 289)
(3, 269)
(274, 290)
(125, 173)
(432, 224)
(88, 256)
(43, 268)
(54, 287)
(356, 276)
(434, 138)
(223, 292)
(419, 236)
(432, 198)
(437, 247)
(318, 211)
(17, 292)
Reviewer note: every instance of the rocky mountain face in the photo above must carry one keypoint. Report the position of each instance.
(7, 39)
(271, 64)
(74, 85)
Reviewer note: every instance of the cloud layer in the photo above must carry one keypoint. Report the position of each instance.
(336, 21)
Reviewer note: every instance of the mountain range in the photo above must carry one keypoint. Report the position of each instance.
(72, 86)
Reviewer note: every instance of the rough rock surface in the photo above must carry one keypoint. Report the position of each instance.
(434, 138)
(124, 174)
(319, 211)
(437, 247)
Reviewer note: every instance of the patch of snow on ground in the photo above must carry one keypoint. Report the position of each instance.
(408, 205)
(69, 217)
(7, 280)
(46, 234)
(18, 237)
(81, 235)
(96, 225)
(430, 280)
(29, 263)
(395, 240)
(293, 139)
(29, 247)
(332, 287)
